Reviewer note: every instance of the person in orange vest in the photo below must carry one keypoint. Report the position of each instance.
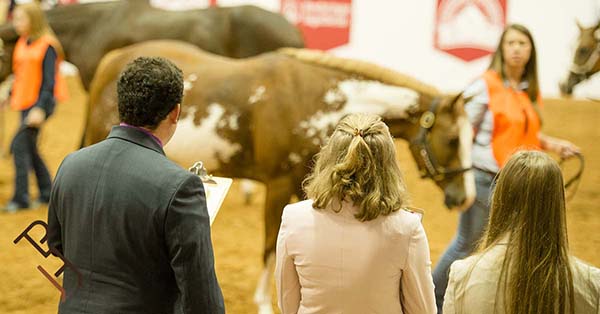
(504, 108)
(36, 87)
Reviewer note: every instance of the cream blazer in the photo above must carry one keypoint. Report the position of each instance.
(332, 263)
(479, 293)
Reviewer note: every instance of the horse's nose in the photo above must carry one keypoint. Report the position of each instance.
(565, 89)
(451, 200)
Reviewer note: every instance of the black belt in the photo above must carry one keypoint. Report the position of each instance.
(489, 172)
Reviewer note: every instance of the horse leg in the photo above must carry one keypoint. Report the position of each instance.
(248, 188)
(262, 295)
(279, 191)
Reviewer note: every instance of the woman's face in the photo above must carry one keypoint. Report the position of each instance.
(21, 22)
(516, 49)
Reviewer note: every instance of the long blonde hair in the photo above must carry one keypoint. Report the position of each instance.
(39, 25)
(358, 164)
(528, 205)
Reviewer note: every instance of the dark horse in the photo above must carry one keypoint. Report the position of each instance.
(586, 59)
(265, 117)
(89, 31)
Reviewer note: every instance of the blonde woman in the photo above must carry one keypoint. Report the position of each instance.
(523, 264)
(351, 248)
(37, 84)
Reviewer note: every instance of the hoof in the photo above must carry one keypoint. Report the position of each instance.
(265, 309)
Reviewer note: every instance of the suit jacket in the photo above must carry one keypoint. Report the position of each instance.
(478, 292)
(136, 227)
(332, 263)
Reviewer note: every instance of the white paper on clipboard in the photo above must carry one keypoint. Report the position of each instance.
(215, 194)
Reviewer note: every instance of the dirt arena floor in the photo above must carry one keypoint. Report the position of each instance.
(237, 231)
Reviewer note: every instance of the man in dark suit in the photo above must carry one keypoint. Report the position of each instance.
(133, 223)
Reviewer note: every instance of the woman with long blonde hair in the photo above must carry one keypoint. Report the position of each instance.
(37, 85)
(523, 265)
(351, 248)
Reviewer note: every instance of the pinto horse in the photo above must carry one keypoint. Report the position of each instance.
(89, 31)
(265, 117)
(586, 59)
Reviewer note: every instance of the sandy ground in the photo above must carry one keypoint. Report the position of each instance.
(237, 231)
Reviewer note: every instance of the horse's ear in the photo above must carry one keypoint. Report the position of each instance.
(581, 28)
(469, 98)
(458, 102)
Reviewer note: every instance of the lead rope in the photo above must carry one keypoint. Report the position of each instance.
(576, 179)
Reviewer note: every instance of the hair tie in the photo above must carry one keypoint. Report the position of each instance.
(358, 132)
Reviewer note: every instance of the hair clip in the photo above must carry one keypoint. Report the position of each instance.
(358, 132)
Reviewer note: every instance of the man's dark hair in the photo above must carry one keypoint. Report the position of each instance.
(148, 89)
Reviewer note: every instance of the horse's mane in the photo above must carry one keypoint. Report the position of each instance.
(68, 18)
(79, 11)
(363, 68)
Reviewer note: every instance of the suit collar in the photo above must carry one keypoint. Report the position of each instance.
(135, 136)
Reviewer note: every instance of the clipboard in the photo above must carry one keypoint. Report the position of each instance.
(215, 189)
(215, 194)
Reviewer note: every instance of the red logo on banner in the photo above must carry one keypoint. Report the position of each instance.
(469, 29)
(325, 24)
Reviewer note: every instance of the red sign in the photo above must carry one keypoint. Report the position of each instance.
(325, 24)
(469, 29)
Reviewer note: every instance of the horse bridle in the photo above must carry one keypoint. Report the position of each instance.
(583, 71)
(432, 168)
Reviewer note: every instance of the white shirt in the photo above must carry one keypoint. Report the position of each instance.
(477, 292)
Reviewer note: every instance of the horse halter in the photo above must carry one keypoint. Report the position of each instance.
(584, 70)
(420, 143)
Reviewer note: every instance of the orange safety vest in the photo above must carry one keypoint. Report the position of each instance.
(516, 123)
(27, 67)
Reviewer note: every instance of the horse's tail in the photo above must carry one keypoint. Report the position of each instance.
(104, 74)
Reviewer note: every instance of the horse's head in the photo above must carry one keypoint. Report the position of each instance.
(436, 126)
(440, 140)
(8, 39)
(586, 60)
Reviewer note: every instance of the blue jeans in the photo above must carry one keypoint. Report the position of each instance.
(26, 158)
(471, 225)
